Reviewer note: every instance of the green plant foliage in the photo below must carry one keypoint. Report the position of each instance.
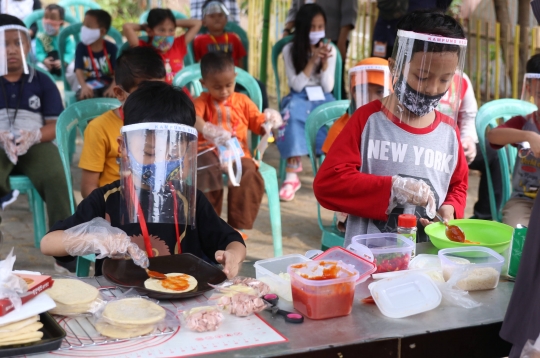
(122, 11)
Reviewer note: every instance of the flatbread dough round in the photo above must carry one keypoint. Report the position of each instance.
(133, 311)
(72, 292)
(64, 310)
(112, 331)
(22, 341)
(157, 285)
(30, 335)
(16, 334)
(10, 327)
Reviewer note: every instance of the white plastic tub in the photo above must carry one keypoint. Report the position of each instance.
(391, 252)
(268, 272)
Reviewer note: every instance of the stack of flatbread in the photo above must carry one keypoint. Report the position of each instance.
(72, 296)
(20, 332)
(129, 317)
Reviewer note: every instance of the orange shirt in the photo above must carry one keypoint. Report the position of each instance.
(237, 114)
(334, 131)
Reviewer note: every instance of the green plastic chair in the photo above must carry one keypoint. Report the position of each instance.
(77, 8)
(23, 184)
(37, 15)
(486, 118)
(324, 115)
(191, 75)
(276, 51)
(72, 118)
(234, 27)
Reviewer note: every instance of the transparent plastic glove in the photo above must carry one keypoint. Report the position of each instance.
(215, 134)
(26, 139)
(99, 237)
(273, 117)
(8, 144)
(531, 349)
(469, 147)
(411, 191)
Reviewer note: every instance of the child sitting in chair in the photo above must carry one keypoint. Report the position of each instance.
(236, 113)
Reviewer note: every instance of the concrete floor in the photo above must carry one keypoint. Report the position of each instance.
(299, 222)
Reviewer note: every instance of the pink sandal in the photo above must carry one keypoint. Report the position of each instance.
(288, 189)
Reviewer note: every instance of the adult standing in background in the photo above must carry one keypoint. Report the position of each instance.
(390, 12)
(195, 7)
(340, 20)
(21, 9)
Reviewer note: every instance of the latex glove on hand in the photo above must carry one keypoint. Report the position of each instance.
(8, 144)
(217, 135)
(98, 237)
(469, 147)
(26, 139)
(412, 191)
(273, 117)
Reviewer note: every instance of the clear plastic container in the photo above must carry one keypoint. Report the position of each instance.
(323, 289)
(392, 252)
(268, 271)
(336, 253)
(478, 267)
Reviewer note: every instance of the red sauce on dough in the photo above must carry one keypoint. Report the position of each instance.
(176, 283)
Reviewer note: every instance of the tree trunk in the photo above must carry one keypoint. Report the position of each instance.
(524, 9)
(503, 18)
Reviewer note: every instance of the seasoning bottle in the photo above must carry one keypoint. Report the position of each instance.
(168, 71)
(407, 228)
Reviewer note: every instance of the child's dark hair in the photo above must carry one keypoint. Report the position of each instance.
(432, 22)
(102, 17)
(60, 9)
(157, 16)
(533, 65)
(218, 61)
(138, 63)
(156, 101)
(6, 19)
(301, 47)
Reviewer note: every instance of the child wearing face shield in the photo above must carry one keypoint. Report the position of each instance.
(95, 57)
(155, 209)
(47, 54)
(400, 152)
(161, 28)
(310, 64)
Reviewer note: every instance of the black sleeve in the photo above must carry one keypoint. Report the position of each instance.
(214, 233)
(37, 5)
(91, 207)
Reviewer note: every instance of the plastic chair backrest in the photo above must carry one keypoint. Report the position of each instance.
(37, 68)
(486, 118)
(234, 27)
(276, 51)
(77, 116)
(77, 8)
(37, 15)
(75, 30)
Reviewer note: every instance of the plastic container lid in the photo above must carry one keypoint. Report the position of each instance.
(314, 269)
(364, 267)
(383, 243)
(407, 220)
(405, 295)
(425, 261)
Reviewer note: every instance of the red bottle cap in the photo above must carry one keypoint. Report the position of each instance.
(406, 220)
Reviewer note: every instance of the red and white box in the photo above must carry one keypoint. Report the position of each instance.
(36, 285)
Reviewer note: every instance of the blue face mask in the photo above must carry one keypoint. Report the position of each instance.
(163, 43)
(147, 172)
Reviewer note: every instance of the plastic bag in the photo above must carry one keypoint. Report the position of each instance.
(203, 319)
(454, 296)
(11, 285)
(77, 310)
(531, 349)
(411, 191)
(131, 315)
(229, 154)
(97, 236)
(241, 296)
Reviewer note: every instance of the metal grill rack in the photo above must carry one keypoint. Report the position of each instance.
(81, 332)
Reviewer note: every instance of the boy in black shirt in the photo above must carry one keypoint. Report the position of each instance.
(210, 238)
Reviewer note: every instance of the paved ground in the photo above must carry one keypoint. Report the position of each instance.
(299, 221)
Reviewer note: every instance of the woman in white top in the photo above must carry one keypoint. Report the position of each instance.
(310, 61)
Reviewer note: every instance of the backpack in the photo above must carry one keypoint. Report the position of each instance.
(392, 9)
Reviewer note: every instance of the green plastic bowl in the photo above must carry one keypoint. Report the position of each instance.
(492, 234)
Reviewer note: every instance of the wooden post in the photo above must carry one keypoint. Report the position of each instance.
(516, 63)
(488, 65)
(497, 59)
(478, 61)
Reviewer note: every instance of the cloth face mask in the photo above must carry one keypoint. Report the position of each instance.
(51, 27)
(316, 36)
(89, 36)
(163, 43)
(416, 102)
(147, 171)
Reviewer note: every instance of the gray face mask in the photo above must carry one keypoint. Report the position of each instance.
(416, 102)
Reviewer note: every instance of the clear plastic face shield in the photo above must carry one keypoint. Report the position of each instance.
(215, 7)
(423, 69)
(15, 47)
(159, 173)
(531, 88)
(368, 83)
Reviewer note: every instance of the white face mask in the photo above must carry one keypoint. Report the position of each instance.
(316, 36)
(89, 36)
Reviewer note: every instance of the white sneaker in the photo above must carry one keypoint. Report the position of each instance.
(9, 198)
